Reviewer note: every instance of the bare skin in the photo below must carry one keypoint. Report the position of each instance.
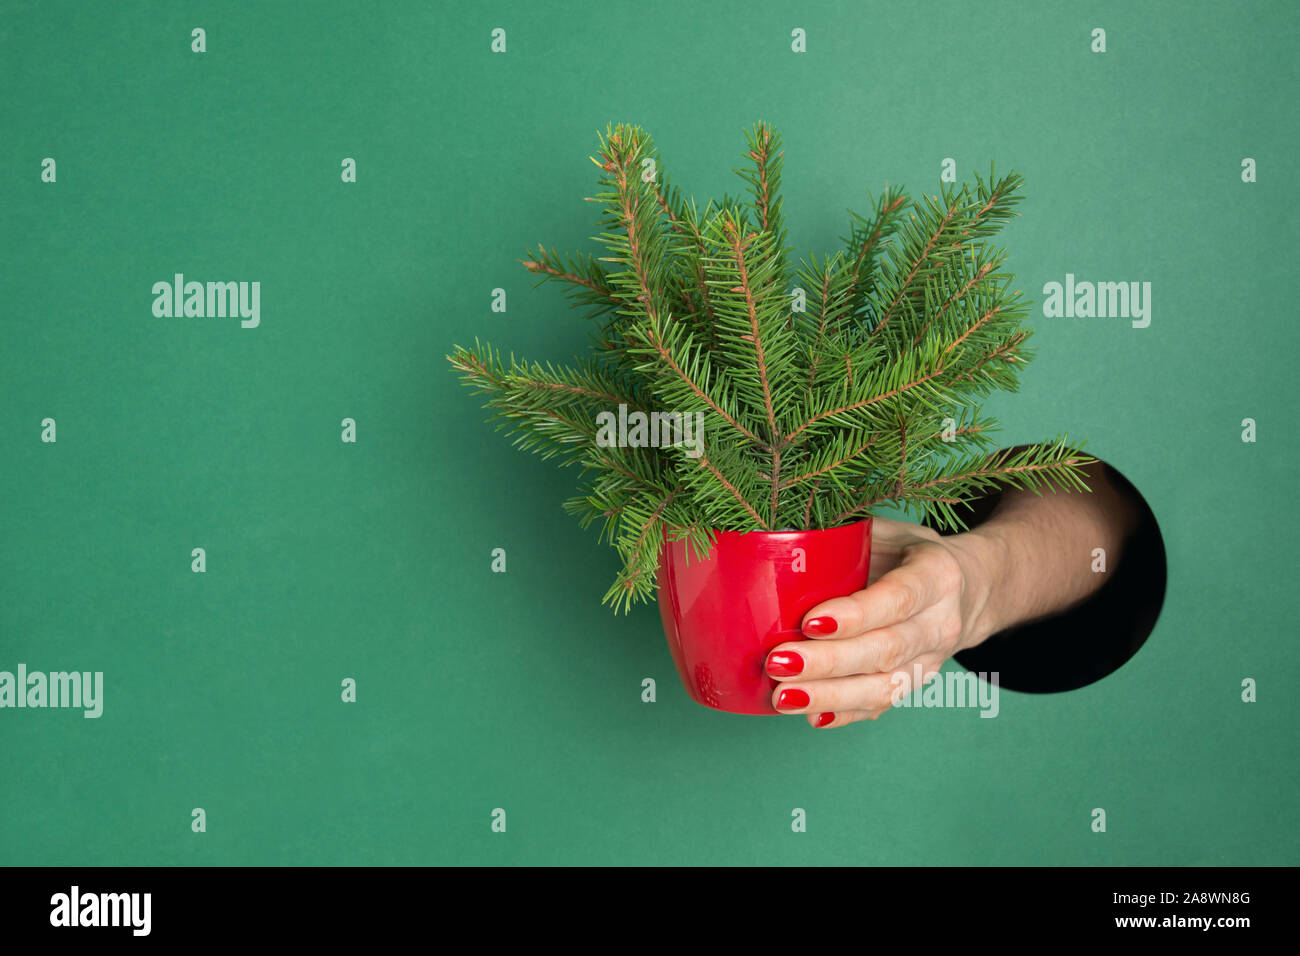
(930, 596)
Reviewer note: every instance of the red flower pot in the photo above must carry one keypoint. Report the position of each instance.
(724, 613)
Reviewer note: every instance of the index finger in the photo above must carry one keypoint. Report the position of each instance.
(892, 599)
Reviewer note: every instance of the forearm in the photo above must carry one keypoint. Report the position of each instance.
(1037, 552)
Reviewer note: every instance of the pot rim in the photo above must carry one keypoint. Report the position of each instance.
(787, 533)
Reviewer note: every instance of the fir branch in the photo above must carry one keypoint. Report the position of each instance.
(684, 223)
(1029, 468)
(978, 276)
(985, 317)
(813, 417)
(682, 375)
(838, 455)
(691, 248)
(823, 300)
(921, 262)
(807, 511)
(1009, 351)
(867, 237)
(640, 546)
(902, 459)
(583, 272)
(834, 291)
(765, 179)
(732, 490)
(758, 347)
(637, 245)
(917, 380)
(755, 337)
(551, 421)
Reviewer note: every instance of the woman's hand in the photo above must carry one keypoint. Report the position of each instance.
(927, 598)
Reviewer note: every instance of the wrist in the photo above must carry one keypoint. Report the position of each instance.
(984, 557)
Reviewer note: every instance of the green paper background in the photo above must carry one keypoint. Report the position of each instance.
(479, 690)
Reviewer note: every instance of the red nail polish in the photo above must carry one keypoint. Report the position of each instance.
(824, 719)
(791, 699)
(785, 664)
(821, 626)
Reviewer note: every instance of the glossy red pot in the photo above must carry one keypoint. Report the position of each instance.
(724, 614)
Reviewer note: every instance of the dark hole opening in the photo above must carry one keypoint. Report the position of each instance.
(1093, 639)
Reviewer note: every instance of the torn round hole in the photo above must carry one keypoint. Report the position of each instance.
(1093, 639)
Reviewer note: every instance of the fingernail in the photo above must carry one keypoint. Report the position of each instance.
(791, 699)
(820, 626)
(824, 719)
(784, 664)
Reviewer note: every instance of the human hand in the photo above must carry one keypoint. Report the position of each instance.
(927, 597)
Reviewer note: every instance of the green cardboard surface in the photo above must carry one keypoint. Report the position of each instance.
(371, 560)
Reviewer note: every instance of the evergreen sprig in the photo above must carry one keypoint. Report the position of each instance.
(825, 390)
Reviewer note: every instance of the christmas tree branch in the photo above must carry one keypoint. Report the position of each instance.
(733, 491)
(1006, 352)
(765, 180)
(755, 337)
(821, 327)
(1030, 468)
(632, 222)
(881, 227)
(921, 262)
(839, 458)
(915, 381)
(656, 344)
(817, 410)
(807, 511)
(975, 279)
(985, 317)
(585, 273)
(833, 286)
